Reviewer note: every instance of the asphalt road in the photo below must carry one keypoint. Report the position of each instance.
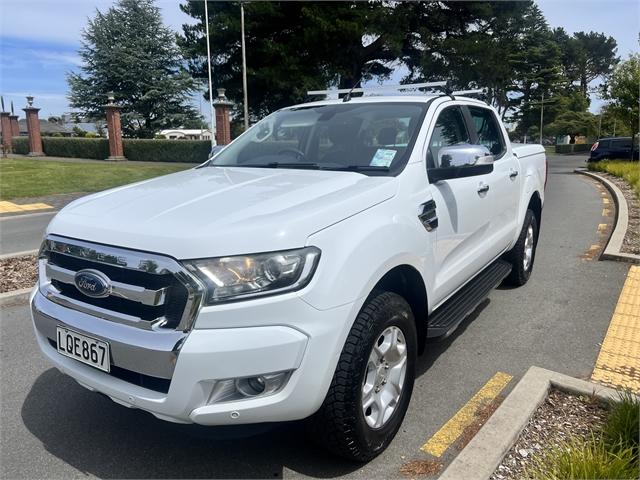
(23, 232)
(52, 427)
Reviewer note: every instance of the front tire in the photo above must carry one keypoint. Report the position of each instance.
(523, 254)
(372, 385)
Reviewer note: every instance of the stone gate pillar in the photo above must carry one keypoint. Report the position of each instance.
(114, 127)
(223, 122)
(33, 128)
(5, 124)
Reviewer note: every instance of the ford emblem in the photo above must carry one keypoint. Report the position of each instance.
(92, 283)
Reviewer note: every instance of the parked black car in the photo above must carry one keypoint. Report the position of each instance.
(618, 148)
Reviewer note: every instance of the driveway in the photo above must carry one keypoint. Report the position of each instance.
(52, 427)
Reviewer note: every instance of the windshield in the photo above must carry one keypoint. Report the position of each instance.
(367, 137)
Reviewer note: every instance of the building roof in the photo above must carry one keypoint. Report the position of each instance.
(46, 127)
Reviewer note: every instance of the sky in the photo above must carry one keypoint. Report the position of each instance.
(39, 40)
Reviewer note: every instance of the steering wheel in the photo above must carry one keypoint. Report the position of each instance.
(299, 154)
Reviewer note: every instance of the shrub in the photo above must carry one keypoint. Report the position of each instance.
(192, 151)
(95, 148)
(20, 145)
(627, 170)
(622, 428)
(577, 459)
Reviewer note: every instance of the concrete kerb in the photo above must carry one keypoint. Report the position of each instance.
(18, 254)
(15, 297)
(479, 459)
(614, 245)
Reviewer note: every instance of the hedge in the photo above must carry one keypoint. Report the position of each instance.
(20, 145)
(573, 148)
(191, 151)
(76, 147)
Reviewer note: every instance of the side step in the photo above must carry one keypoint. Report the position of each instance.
(452, 312)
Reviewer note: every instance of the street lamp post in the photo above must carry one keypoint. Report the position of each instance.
(206, 23)
(244, 69)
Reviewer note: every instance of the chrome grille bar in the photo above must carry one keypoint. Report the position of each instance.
(134, 293)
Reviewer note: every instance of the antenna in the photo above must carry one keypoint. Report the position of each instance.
(347, 97)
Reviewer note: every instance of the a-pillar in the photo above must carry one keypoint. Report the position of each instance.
(33, 128)
(223, 122)
(5, 124)
(114, 127)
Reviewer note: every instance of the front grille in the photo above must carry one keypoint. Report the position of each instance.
(145, 381)
(145, 290)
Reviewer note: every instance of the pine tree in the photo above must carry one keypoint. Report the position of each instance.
(129, 51)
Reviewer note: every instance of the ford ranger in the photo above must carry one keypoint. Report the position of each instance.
(299, 272)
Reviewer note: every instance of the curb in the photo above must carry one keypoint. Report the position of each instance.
(614, 244)
(15, 297)
(18, 254)
(479, 459)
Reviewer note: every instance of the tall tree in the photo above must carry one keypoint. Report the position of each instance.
(293, 47)
(129, 51)
(623, 92)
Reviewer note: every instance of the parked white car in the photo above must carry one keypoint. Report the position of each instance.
(297, 274)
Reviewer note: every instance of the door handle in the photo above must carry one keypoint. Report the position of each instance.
(513, 174)
(483, 188)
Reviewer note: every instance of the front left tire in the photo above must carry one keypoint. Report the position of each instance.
(372, 385)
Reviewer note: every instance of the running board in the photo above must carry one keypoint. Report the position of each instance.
(452, 312)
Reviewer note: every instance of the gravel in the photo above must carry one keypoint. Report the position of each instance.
(18, 272)
(560, 417)
(631, 243)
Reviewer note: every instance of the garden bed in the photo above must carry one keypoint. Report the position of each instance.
(631, 243)
(563, 434)
(17, 273)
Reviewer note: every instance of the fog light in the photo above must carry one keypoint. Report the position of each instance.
(262, 384)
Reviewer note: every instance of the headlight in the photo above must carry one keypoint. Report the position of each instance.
(244, 276)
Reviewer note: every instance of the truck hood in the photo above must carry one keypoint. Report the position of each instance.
(215, 211)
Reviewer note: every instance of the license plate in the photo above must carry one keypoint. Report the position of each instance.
(87, 350)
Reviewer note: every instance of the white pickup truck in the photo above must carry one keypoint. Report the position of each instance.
(299, 272)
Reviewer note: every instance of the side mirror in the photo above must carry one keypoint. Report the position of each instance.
(459, 161)
(464, 155)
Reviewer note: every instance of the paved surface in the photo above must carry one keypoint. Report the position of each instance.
(23, 232)
(52, 427)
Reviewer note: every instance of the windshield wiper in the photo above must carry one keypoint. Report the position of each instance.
(279, 165)
(360, 168)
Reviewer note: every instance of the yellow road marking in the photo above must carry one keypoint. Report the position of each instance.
(10, 207)
(618, 362)
(451, 430)
(605, 212)
(605, 201)
(602, 227)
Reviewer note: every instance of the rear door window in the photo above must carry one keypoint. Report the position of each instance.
(621, 143)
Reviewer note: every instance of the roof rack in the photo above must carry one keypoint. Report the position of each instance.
(438, 86)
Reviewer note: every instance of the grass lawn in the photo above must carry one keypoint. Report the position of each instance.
(629, 171)
(25, 177)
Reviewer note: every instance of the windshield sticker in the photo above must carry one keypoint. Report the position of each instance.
(382, 158)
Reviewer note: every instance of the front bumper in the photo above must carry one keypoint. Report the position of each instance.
(288, 335)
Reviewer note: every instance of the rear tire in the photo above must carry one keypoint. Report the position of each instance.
(369, 394)
(523, 253)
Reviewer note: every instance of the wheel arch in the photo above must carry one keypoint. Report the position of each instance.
(535, 205)
(406, 281)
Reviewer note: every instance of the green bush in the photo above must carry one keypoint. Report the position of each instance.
(573, 148)
(95, 148)
(147, 150)
(576, 459)
(20, 145)
(622, 428)
(625, 169)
